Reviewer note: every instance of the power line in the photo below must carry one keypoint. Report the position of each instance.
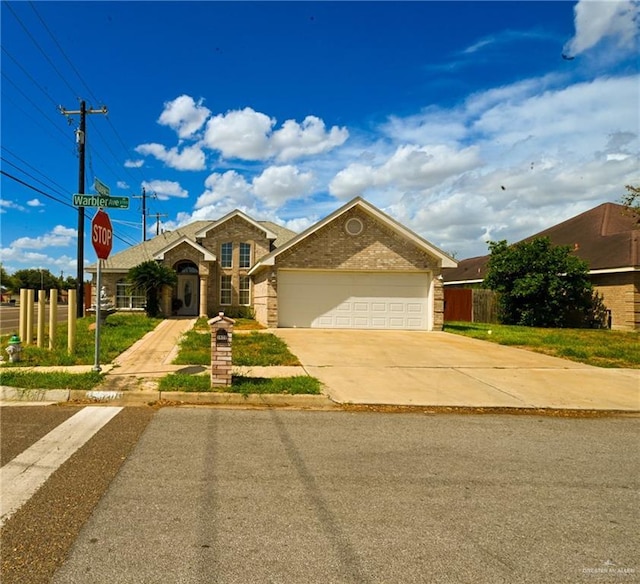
(35, 105)
(55, 40)
(33, 40)
(29, 175)
(30, 76)
(33, 168)
(37, 190)
(26, 113)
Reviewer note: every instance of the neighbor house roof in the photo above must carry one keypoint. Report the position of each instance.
(149, 250)
(606, 237)
(269, 259)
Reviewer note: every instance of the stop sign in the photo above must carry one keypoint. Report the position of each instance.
(102, 234)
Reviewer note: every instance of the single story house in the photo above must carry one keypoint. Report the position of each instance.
(356, 269)
(607, 237)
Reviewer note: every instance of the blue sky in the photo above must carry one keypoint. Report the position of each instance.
(460, 119)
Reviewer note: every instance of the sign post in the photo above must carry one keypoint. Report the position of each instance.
(102, 240)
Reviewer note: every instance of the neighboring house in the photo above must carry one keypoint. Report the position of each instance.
(607, 237)
(357, 268)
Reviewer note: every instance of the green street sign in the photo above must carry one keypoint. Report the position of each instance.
(104, 202)
(101, 188)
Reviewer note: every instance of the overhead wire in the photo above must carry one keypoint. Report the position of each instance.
(49, 196)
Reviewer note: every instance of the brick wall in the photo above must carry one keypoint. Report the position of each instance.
(376, 248)
(621, 295)
(234, 231)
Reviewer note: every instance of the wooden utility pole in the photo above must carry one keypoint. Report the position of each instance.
(81, 134)
(143, 196)
(157, 216)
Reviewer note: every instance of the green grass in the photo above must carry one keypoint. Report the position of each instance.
(117, 334)
(599, 347)
(244, 385)
(49, 379)
(251, 349)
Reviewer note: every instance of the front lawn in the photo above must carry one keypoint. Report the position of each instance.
(599, 347)
(117, 334)
(251, 349)
(301, 384)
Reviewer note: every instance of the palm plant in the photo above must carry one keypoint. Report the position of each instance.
(150, 277)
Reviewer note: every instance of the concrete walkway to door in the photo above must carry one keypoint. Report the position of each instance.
(442, 369)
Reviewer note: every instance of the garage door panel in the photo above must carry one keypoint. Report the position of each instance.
(353, 300)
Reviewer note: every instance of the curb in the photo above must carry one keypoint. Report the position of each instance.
(15, 394)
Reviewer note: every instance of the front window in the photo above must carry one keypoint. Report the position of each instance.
(226, 252)
(126, 298)
(245, 290)
(245, 255)
(225, 290)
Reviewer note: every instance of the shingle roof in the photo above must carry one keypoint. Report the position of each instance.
(142, 252)
(607, 237)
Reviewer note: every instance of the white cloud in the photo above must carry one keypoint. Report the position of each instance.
(7, 204)
(133, 163)
(184, 115)
(278, 184)
(165, 189)
(249, 135)
(240, 134)
(294, 140)
(596, 20)
(410, 167)
(230, 186)
(191, 157)
(59, 236)
(35, 203)
(122, 185)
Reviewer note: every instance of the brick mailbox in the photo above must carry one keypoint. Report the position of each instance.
(221, 340)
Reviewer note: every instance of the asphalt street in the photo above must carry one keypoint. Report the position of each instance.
(10, 317)
(240, 496)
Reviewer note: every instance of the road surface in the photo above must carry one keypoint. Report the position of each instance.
(237, 496)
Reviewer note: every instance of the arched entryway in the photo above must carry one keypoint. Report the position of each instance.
(187, 289)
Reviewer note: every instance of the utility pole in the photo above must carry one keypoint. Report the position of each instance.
(143, 196)
(157, 216)
(81, 134)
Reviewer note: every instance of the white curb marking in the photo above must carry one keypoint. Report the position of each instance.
(21, 477)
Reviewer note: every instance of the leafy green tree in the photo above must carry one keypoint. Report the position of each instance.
(35, 279)
(7, 282)
(540, 284)
(150, 277)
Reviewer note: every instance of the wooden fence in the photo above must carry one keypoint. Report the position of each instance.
(470, 305)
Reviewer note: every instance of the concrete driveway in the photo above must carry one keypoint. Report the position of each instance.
(443, 369)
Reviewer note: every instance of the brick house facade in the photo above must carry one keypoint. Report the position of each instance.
(379, 273)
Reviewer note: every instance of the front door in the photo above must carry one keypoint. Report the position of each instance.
(188, 293)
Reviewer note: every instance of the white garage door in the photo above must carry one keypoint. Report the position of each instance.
(353, 300)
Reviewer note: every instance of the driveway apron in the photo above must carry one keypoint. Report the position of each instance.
(441, 369)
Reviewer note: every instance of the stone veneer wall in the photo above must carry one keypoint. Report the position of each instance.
(621, 295)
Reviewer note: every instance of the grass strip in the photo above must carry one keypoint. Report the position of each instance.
(50, 379)
(296, 385)
(599, 347)
(253, 349)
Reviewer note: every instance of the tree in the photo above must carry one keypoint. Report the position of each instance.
(35, 279)
(6, 281)
(632, 198)
(150, 277)
(540, 284)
